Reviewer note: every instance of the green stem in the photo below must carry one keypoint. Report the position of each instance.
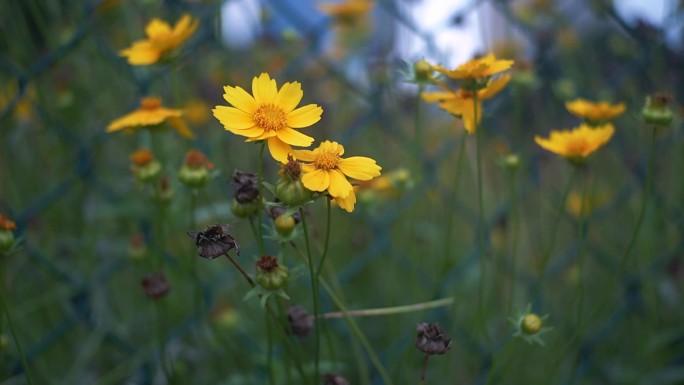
(260, 178)
(327, 238)
(314, 292)
(554, 229)
(390, 310)
(644, 200)
(13, 330)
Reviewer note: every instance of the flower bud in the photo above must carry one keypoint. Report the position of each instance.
(289, 188)
(285, 225)
(6, 234)
(656, 110)
(531, 324)
(145, 167)
(270, 274)
(422, 70)
(195, 170)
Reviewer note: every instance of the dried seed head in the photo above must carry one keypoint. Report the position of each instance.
(431, 339)
(300, 320)
(155, 285)
(214, 241)
(246, 186)
(334, 379)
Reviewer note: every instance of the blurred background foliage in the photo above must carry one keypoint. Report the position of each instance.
(87, 229)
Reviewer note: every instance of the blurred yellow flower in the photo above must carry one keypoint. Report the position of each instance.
(161, 40)
(462, 104)
(150, 114)
(578, 143)
(595, 112)
(346, 11)
(477, 68)
(328, 171)
(269, 115)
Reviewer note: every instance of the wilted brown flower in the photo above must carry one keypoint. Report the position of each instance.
(300, 321)
(246, 186)
(155, 285)
(214, 241)
(334, 379)
(431, 339)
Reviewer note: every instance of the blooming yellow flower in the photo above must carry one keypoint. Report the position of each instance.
(477, 68)
(578, 143)
(462, 104)
(151, 113)
(269, 115)
(595, 112)
(161, 39)
(328, 171)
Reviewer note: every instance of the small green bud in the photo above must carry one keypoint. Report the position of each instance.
(656, 110)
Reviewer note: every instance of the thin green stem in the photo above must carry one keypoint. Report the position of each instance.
(554, 229)
(260, 178)
(327, 237)
(644, 200)
(314, 292)
(17, 343)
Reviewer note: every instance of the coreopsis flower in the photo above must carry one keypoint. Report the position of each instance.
(161, 40)
(325, 170)
(462, 103)
(269, 114)
(477, 68)
(595, 113)
(577, 144)
(347, 12)
(151, 114)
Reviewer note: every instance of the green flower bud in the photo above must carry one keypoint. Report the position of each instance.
(271, 275)
(656, 110)
(245, 210)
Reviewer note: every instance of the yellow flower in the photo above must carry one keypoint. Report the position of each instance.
(328, 171)
(161, 39)
(346, 11)
(477, 68)
(578, 143)
(462, 104)
(595, 112)
(151, 113)
(269, 115)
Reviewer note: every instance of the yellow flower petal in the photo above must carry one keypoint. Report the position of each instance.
(233, 118)
(264, 88)
(240, 99)
(339, 185)
(304, 116)
(360, 167)
(289, 96)
(294, 138)
(347, 203)
(317, 180)
(279, 149)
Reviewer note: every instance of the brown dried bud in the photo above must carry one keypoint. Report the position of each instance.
(431, 339)
(246, 186)
(214, 241)
(300, 320)
(155, 285)
(334, 379)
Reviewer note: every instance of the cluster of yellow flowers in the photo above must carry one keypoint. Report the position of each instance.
(270, 114)
(580, 142)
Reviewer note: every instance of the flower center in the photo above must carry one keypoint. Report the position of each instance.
(150, 103)
(577, 147)
(270, 117)
(327, 161)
